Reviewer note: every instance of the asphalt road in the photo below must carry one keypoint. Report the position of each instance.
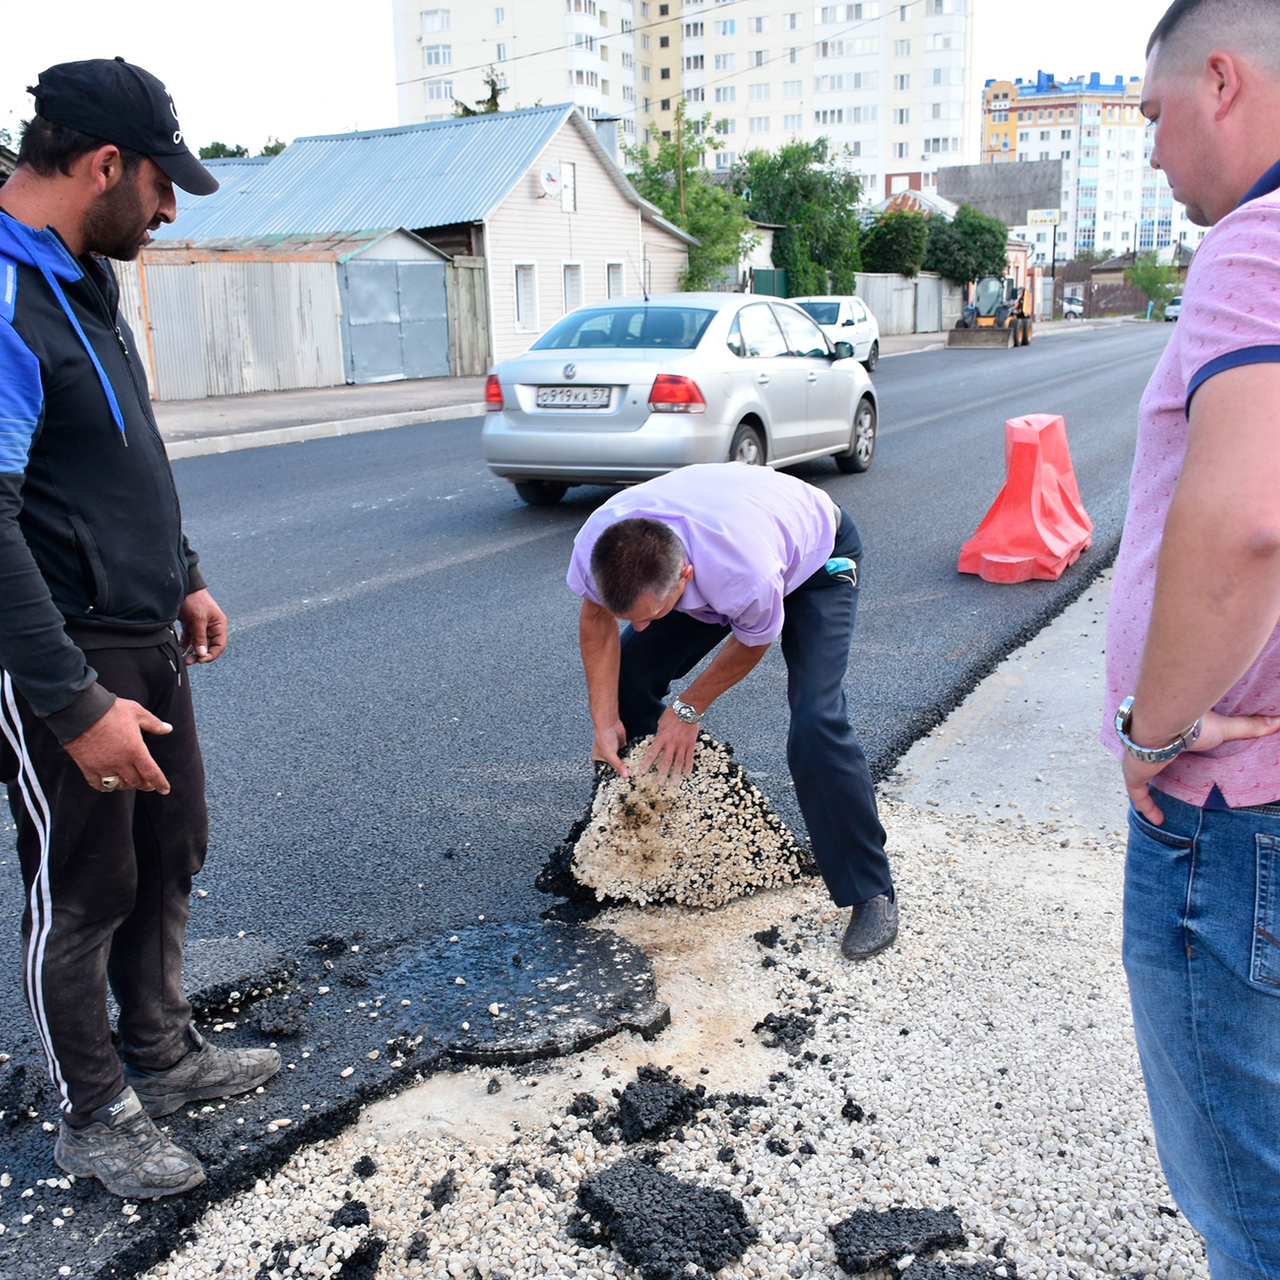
(397, 736)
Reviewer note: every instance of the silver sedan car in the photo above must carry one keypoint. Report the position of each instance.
(625, 390)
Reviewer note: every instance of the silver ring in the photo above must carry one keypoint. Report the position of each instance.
(110, 782)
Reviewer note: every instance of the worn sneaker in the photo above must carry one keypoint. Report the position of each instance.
(123, 1149)
(203, 1073)
(873, 926)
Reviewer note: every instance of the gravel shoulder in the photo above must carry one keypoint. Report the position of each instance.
(985, 1062)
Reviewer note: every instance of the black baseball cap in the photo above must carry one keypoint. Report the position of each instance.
(112, 99)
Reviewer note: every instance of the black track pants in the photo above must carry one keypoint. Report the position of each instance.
(108, 883)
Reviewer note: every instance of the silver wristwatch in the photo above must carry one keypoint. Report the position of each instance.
(684, 712)
(1152, 755)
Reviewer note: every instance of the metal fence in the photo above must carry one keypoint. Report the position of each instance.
(922, 304)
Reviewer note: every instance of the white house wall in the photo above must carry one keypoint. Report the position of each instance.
(529, 227)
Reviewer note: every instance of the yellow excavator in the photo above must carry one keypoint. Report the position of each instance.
(996, 314)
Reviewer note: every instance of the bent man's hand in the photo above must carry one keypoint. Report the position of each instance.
(113, 747)
(671, 751)
(608, 742)
(1215, 730)
(204, 628)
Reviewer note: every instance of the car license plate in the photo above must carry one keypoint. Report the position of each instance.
(573, 397)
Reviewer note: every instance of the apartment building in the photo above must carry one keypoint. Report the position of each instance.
(891, 82)
(1112, 201)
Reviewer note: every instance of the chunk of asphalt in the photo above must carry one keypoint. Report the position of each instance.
(654, 1103)
(362, 1263)
(711, 839)
(574, 987)
(355, 1213)
(283, 1014)
(991, 1269)
(786, 1031)
(868, 1238)
(226, 974)
(362, 1042)
(443, 1191)
(666, 1228)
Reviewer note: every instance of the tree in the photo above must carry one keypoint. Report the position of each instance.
(973, 244)
(484, 106)
(273, 147)
(221, 151)
(896, 241)
(672, 178)
(1152, 277)
(812, 196)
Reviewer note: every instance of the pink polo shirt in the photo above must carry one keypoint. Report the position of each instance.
(1230, 317)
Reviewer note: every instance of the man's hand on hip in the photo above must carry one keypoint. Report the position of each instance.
(204, 628)
(1214, 731)
(608, 742)
(671, 751)
(112, 747)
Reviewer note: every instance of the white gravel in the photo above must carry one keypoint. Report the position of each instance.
(992, 1046)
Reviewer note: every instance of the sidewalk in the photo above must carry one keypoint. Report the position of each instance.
(985, 1062)
(223, 424)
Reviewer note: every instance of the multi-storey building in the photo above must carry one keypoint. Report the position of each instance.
(891, 82)
(1113, 202)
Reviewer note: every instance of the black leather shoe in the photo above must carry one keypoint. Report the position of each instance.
(873, 925)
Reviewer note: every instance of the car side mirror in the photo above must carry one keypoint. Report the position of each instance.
(847, 323)
(844, 351)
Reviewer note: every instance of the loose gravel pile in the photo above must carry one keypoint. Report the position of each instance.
(702, 843)
(983, 1066)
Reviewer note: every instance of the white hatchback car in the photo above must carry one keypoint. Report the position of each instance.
(847, 320)
(625, 390)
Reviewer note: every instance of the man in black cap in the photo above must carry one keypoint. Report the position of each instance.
(95, 575)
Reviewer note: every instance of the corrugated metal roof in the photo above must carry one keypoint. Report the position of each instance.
(423, 175)
(232, 172)
(337, 246)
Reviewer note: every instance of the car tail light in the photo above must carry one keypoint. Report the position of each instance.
(493, 394)
(675, 394)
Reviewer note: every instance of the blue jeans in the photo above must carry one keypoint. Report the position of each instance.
(1202, 953)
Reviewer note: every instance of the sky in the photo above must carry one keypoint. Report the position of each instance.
(242, 71)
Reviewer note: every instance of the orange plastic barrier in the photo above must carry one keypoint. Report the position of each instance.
(1037, 525)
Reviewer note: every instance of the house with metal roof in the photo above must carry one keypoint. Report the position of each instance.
(532, 200)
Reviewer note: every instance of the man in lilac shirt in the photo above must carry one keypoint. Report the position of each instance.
(1193, 651)
(735, 557)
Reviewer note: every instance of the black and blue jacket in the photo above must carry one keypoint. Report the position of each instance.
(92, 553)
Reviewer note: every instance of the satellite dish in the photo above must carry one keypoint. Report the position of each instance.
(549, 180)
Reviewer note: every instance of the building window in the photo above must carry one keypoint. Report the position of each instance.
(725, 61)
(572, 286)
(830, 116)
(664, 42)
(439, 90)
(758, 124)
(646, 72)
(792, 88)
(615, 280)
(758, 92)
(863, 80)
(695, 95)
(791, 22)
(645, 42)
(793, 124)
(726, 159)
(727, 126)
(664, 73)
(499, 17)
(901, 83)
(829, 49)
(757, 26)
(902, 115)
(437, 55)
(569, 186)
(864, 115)
(692, 30)
(526, 297)
(726, 94)
(727, 28)
(904, 12)
(902, 48)
(500, 52)
(435, 20)
(900, 150)
(694, 62)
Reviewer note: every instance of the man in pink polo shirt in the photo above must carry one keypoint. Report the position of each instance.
(1193, 650)
(731, 558)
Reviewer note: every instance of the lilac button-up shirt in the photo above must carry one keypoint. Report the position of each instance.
(751, 534)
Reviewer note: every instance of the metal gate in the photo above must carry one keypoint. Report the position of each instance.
(395, 321)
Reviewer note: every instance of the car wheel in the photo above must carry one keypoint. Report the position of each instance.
(873, 358)
(541, 493)
(747, 446)
(862, 442)
(1026, 332)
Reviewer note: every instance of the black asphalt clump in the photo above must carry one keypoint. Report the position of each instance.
(654, 1103)
(852, 1111)
(329, 944)
(282, 1015)
(768, 937)
(355, 1213)
(784, 1031)
(501, 1178)
(991, 1269)
(365, 1167)
(275, 1260)
(545, 1179)
(868, 1239)
(443, 1191)
(665, 1228)
(419, 1249)
(23, 1094)
(364, 1259)
(584, 1104)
